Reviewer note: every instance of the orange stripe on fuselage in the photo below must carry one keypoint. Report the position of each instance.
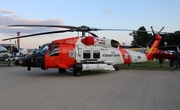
(125, 55)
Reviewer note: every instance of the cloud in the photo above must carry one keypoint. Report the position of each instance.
(8, 17)
(107, 11)
(6, 12)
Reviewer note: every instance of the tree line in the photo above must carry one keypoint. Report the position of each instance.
(145, 38)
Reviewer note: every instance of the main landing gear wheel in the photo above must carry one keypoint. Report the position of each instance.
(77, 73)
(116, 67)
(77, 69)
(62, 70)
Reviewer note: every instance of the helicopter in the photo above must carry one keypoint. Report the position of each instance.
(82, 53)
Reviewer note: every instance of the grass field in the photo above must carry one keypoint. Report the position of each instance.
(150, 65)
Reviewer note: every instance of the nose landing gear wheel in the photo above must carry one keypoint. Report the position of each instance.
(29, 68)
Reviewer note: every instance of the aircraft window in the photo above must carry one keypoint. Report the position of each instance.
(96, 54)
(44, 50)
(54, 51)
(114, 43)
(86, 54)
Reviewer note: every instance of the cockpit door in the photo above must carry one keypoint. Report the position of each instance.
(52, 57)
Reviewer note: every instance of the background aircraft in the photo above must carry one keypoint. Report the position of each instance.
(4, 53)
(6, 56)
(165, 52)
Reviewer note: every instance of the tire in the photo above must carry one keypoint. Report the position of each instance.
(29, 68)
(78, 73)
(77, 69)
(116, 67)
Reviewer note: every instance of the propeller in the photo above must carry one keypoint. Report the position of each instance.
(74, 28)
(154, 34)
(43, 33)
(55, 26)
(83, 29)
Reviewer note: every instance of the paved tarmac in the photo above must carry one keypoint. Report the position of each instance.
(103, 90)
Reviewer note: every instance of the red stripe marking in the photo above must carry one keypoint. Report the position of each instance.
(125, 55)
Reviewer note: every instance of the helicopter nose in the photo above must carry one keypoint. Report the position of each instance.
(19, 61)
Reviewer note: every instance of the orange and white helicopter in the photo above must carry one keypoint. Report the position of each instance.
(83, 53)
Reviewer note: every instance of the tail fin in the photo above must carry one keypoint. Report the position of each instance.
(154, 47)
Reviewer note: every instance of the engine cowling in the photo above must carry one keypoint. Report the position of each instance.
(90, 40)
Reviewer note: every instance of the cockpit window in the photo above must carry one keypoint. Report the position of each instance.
(54, 51)
(44, 49)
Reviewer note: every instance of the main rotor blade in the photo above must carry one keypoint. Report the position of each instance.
(122, 30)
(93, 34)
(43, 33)
(55, 26)
(80, 28)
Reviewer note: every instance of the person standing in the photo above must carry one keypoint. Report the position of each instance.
(160, 62)
(176, 60)
(161, 59)
(172, 60)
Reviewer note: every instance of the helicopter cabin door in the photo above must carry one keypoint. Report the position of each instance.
(52, 57)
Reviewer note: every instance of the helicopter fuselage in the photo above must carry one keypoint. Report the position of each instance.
(82, 53)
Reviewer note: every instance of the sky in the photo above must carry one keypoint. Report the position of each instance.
(103, 14)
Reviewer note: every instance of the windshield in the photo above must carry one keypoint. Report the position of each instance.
(43, 49)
